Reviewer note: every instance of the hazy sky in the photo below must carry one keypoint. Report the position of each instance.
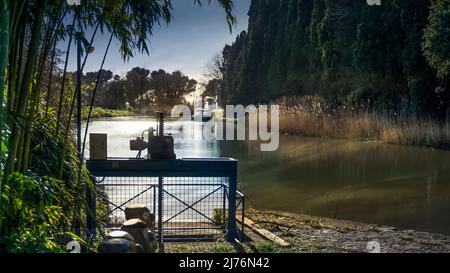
(187, 44)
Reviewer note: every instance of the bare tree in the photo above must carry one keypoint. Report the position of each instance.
(216, 67)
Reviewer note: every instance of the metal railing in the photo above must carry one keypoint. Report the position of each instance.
(191, 199)
(189, 206)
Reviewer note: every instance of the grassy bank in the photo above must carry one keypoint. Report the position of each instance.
(98, 112)
(311, 116)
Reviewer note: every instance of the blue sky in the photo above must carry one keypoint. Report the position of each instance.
(186, 44)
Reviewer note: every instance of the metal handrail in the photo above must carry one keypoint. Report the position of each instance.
(240, 197)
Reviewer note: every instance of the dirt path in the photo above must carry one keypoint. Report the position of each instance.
(316, 234)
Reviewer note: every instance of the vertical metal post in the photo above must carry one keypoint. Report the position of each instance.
(161, 124)
(232, 228)
(160, 214)
(243, 218)
(154, 201)
(224, 209)
(161, 193)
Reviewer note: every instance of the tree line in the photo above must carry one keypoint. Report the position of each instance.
(389, 58)
(139, 90)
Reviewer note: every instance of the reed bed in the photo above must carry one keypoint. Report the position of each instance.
(312, 116)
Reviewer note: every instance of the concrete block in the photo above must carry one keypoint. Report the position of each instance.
(141, 212)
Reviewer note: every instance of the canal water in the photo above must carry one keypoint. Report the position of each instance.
(403, 186)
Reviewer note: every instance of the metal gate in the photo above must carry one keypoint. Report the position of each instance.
(192, 199)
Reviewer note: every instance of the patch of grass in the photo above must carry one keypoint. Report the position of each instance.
(266, 247)
(190, 248)
(218, 247)
(223, 248)
(183, 249)
(313, 222)
(98, 112)
(219, 217)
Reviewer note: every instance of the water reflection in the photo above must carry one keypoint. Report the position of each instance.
(408, 187)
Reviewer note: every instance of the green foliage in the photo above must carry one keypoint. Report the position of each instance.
(98, 112)
(267, 247)
(33, 216)
(345, 51)
(223, 248)
(169, 89)
(219, 217)
(141, 90)
(212, 88)
(112, 95)
(4, 41)
(45, 147)
(36, 208)
(436, 45)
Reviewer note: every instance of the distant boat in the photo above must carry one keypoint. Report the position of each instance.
(202, 114)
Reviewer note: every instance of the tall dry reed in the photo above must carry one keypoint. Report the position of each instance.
(312, 116)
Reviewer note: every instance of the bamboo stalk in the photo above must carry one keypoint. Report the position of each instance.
(52, 64)
(16, 131)
(63, 83)
(36, 90)
(50, 77)
(66, 136)
(80, 164)
(18, 12)
(4, 46)
(17, 72)
(11, 68)
(69, 120)
(91, 106)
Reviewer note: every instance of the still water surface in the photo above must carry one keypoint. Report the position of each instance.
(402, 186)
